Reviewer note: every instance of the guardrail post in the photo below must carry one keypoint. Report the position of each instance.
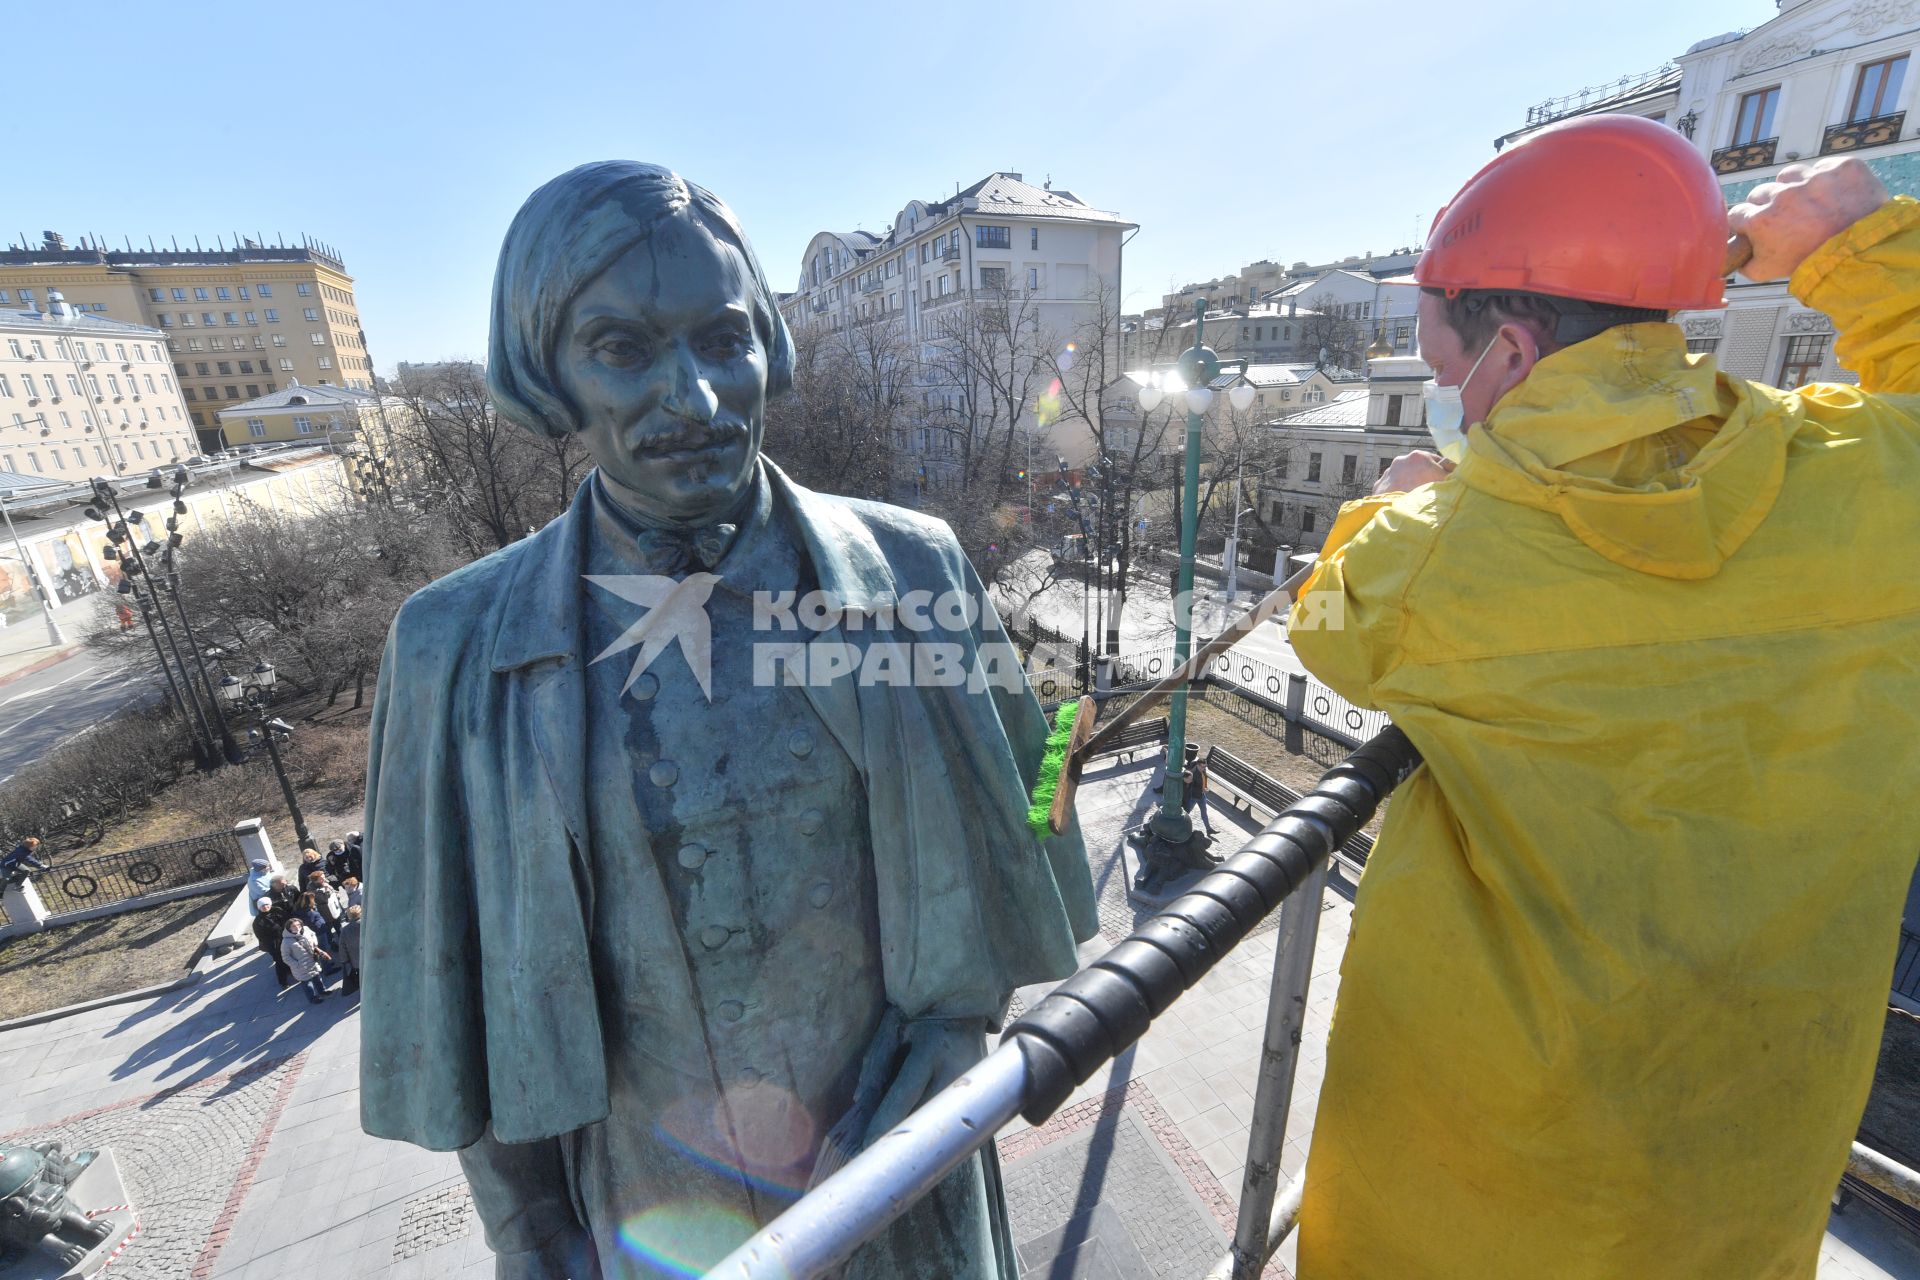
(255, 843)
(1296, 697)
(25, 912)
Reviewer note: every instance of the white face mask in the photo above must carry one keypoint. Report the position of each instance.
(1445, 413)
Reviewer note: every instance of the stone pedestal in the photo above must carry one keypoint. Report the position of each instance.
(26, 913)
(255, 843)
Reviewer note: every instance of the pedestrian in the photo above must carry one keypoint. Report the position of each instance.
(311, 862)
(286, 898)
(350, 952)
(1618, 973)
(22, 860)
(304, 957)
(268, 931)
(356, 854)
(312, 913)
(260, 877)
(1195, 778)
(356, 894)
(339, 865)
(332, 902)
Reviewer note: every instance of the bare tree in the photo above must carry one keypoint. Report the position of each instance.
(494, 482)
(853, 396)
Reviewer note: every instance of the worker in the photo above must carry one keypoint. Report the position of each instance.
(1620, 960)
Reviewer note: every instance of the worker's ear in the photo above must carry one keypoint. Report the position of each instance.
(1516, 351)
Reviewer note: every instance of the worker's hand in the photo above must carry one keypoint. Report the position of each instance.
(1411, 470)
(1800, 209)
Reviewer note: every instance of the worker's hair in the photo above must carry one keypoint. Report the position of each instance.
(1475, 315)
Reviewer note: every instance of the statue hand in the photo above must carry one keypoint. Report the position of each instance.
(939, 1051)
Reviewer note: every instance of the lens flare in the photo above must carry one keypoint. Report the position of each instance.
(1046, 410)
(684, 1238)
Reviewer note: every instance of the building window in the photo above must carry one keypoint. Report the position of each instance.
(1306, 521)
(1805, 353)
(224, 366)
(318, 339)
(6, 388)
(1033, 278)
(158, 295)
(303, 290)
(286, 365)
(1703, 346)
(1755, 123)
(279, 340)
(253, 317)
(206, 318)
(179, 295)
(243, 293)
(1348, 464)
(1384, 464)
(186, 393)
(312, 315)
(264, 290)
(1877, 91)
(257, 428)
(252, 390)
(993, 279)
(1033, 237)
(232, 319)
(1393, 411)
(224, 294)
(303, 425)
(199, 295)
(1313, 468)
(993, 237)
(233, 393)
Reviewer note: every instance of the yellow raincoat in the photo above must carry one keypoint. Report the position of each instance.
(1618, 965)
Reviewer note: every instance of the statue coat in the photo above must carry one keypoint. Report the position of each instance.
(479, 1009)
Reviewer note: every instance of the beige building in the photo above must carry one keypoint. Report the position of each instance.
(239, 322)
(354, 424)
(82, 395)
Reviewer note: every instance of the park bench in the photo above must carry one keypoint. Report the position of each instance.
(1247, 788)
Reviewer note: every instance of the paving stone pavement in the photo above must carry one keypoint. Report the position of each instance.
(235, 1109)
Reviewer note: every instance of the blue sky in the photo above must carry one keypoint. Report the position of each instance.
(407, 134)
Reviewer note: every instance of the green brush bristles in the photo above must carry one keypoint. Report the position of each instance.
(1051, 763)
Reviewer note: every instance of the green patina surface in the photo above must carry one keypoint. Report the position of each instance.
(1900, 172)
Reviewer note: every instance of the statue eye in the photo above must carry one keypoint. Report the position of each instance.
(729, 344)
(620, 351)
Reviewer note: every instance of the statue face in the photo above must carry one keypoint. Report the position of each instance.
(659, 356)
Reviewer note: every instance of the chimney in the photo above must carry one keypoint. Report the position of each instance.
(55, 242)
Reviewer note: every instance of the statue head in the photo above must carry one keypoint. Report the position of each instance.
(629, 309)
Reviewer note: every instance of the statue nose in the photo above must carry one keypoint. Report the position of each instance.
(687, 395)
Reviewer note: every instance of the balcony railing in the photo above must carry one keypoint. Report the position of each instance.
(941, 301)
(1876, 132)
(872, 286)
(1748, 155)
(949, 253)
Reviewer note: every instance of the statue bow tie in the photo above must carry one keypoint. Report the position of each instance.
(671, 552)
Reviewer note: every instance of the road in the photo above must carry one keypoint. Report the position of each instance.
(40, 711)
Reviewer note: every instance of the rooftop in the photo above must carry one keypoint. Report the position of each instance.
(53, 251)
(1347, 409)
(300, 394)
(71, 321)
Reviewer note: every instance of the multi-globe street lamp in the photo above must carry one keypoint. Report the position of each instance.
(253, 693)
(1173, 836)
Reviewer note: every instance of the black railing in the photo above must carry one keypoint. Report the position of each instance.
(1877, 131)
(1906, 967)
(1747, 155)
(156, 868)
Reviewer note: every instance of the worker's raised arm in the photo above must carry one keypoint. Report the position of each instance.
(1849, 251)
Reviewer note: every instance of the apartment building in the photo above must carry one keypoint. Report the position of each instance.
(83, 395)
(239, 322)
(350, 422)
(1041, 249)
(1814, 78)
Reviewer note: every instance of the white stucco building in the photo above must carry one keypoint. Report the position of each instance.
(1040, 248)
(82, 395)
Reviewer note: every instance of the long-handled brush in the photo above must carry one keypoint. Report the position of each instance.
(1074, 739)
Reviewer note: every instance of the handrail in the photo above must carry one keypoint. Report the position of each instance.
(1083, 1024)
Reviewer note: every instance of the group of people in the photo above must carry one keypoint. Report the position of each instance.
(310, 927)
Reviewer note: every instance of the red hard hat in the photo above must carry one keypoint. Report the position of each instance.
(1607, 208)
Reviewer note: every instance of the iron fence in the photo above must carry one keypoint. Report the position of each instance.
(137, 873)
(1906, 967)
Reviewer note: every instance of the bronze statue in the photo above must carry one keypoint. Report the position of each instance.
(682, 901)
(35, 1211)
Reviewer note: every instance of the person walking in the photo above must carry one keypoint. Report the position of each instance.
(350, 951)
(23, 859)
(1195, 779)
(305, 957)
(268, 932)
(1618, 972)
(339, 864)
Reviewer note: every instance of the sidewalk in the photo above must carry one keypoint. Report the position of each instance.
(25, 646)
(233, 1109)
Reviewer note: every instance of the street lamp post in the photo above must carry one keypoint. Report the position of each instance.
(1172, 840)
(254, 693)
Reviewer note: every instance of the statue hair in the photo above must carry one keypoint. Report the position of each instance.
(565, 235)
